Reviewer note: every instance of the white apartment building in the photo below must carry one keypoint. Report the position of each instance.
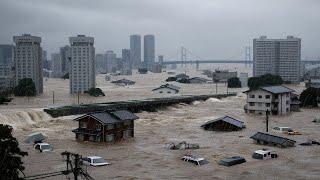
(82, 70)
(278, 57)
(275, 99)
(56, 65)
(28, 60)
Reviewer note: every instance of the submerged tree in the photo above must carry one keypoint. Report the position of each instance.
(95, 92)
(10, 154)
(26, 87)
(264, 80)
(234, 82)
(310, 97)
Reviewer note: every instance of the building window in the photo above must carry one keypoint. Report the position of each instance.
(267, 96)
(267, 104)
(259, 104)
(110, 138)
(251, 104)
(168, 92)
(83, 124)
(161, 92)
(252, 96)
(287, 102)
(260, 96)
(110, 126)
(98, 127)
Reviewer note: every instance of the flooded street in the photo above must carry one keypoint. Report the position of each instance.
(146, 156)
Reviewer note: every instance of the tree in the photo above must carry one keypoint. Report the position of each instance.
(310, 96)
(171, 79)
(234, 82)
(26, 87)
(4, 97)
(264, 80)
(95, 92)
(10, 154)
(66, 76)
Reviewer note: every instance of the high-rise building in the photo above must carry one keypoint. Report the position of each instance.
(82, 68)
(28, 60)
(6, 67)
(135, 50)
(149, 51)
(126, 62)
(100, 63)
(278, 57)
(111, 62)
(65, 55)
(160, 59)
(56, 65)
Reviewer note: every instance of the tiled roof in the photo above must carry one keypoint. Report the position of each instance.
(270, 138)
(277, 89)
(227, 119)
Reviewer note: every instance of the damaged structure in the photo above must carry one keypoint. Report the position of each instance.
(269, 139)
(105, 126)
(225, 123)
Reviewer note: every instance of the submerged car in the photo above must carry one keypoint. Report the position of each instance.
(264, 154)
(43, 147)
(195, 160)
(232, 161)
(95, 161)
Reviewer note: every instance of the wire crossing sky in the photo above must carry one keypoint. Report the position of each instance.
(211, 29)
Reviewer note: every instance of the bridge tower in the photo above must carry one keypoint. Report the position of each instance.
(247, 55)
(183, 56)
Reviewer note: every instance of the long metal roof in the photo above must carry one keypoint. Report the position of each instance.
(270, 138)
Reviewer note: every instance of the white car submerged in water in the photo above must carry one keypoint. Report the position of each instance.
(95, 161)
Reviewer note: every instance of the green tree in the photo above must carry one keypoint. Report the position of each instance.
(95, 92)
(26, 87)
(264, 80)
(4, 97)
(10, 154)
(234, 82)
(66, 76)
(171, 79)
(310, 97)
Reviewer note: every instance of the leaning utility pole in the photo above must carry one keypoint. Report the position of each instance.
(267, 120)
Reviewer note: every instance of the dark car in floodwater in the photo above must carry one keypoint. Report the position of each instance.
(232, 161)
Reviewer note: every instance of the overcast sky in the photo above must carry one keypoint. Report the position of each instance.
(210, 29)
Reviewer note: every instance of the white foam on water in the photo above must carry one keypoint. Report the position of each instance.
(214, 100)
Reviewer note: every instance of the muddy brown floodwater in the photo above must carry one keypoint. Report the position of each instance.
(145, 156)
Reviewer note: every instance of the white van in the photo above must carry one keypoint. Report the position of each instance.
(282, 129)
(264, 154)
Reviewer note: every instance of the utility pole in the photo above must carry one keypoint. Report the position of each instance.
(267, 120)
(52, 97)
(76, 166)
(78, 97)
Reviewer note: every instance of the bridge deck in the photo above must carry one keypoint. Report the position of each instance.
(132, 105)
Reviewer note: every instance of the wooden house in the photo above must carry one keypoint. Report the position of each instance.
(225, 123)
(269, 139)
(105, 126)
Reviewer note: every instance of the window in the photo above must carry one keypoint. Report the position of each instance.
(98, 127)
(260, 104)
(110, 126)
(110, 137)
(252, 96)
(267, 96)
(267, 104)
(168, 92)
(251, 104)
(83, 124)
(260, 96)
(161, 92)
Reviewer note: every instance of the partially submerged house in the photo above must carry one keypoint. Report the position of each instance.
(225, 123)
(198, 80)
(167, 89)
(269, 139)
(105, 126)
(275, 99)
(124, 82)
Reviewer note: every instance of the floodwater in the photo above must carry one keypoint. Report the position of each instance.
(146, 156)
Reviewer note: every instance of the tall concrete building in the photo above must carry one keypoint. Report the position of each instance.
(126, 62)
(111, 62)
(56, 65)
(278, 57)
(65, 55)
(28, 60)
(149, 50)
(6, 67)
(100, 63)
(82, 67)
(135, 50)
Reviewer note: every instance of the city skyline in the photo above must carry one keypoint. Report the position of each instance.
(208, 32)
